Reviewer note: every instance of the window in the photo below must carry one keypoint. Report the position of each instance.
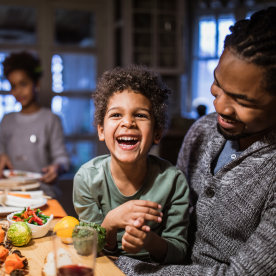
(155, 33)
(212, 20)
(74, 72)
(150, 35)
(74, 75)
(17, 24)
(211, 33)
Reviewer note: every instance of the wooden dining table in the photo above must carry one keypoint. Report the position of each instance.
(37, 250)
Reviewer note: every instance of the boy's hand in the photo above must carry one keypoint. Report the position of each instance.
(138, 236)
(130, 211)
(134, 239)
(5, 162)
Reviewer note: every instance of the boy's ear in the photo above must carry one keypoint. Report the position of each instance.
(157, 136)
(100, 132)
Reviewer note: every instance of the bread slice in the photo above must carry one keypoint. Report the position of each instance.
(63, 258)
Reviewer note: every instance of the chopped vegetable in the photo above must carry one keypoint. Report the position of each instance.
(2, 234)
(19, 233)
(13, 262)
(33, 216)
(3, 253)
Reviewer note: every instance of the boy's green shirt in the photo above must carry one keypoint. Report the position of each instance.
(95, 194)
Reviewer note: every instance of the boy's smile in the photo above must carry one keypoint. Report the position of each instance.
(128, 129)
(127, 142)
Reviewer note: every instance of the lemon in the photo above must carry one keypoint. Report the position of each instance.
(64, 228)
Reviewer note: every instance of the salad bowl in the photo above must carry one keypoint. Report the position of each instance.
(38, 231)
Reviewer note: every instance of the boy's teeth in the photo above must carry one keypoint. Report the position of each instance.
(127, 138)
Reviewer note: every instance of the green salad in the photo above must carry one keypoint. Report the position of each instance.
(32, 216)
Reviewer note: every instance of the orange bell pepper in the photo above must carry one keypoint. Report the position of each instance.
(13, 262)
(3, 253)
(2, 234)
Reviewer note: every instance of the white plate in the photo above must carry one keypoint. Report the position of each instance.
(23, 176)
(36, 203)
(24, 187)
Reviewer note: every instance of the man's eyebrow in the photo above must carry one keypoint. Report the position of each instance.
(238, 96)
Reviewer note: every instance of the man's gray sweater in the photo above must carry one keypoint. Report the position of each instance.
(233, 220)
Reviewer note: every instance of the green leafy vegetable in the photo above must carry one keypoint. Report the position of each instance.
(19, 233)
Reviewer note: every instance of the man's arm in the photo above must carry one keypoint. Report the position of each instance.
(257, 256)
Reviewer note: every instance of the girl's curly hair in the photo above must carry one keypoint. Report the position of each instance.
(141, 80)
(23, 61)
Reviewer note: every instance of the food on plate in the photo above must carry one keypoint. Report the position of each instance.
(101, 233)
(15, 261)
(12, 262)
(49, 265)
(20, 195)
(4, 252)
(32, 216)
(63, 258)
(13, 173)
(64, 228)
(19, 233)
(2, 234)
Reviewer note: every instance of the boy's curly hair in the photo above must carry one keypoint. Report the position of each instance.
(141, 80)
(23, 61)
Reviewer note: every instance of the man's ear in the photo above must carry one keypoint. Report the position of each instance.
(100, 132)
(157, 136)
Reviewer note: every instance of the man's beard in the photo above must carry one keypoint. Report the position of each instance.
(232, 137)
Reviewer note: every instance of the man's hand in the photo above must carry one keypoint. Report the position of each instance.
(50, 173)
(5, 162)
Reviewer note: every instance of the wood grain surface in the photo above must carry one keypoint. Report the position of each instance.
(37, 250)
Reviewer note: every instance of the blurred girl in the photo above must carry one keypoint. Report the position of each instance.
(31, 139)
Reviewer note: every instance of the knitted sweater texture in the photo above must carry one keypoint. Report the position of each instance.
(233, 214)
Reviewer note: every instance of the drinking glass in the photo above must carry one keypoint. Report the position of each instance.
(75, 255)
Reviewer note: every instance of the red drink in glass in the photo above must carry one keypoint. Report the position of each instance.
(75, 270)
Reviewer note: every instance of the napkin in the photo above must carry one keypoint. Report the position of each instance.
(54, 207)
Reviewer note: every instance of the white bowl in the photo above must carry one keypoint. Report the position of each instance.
(38, 231)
